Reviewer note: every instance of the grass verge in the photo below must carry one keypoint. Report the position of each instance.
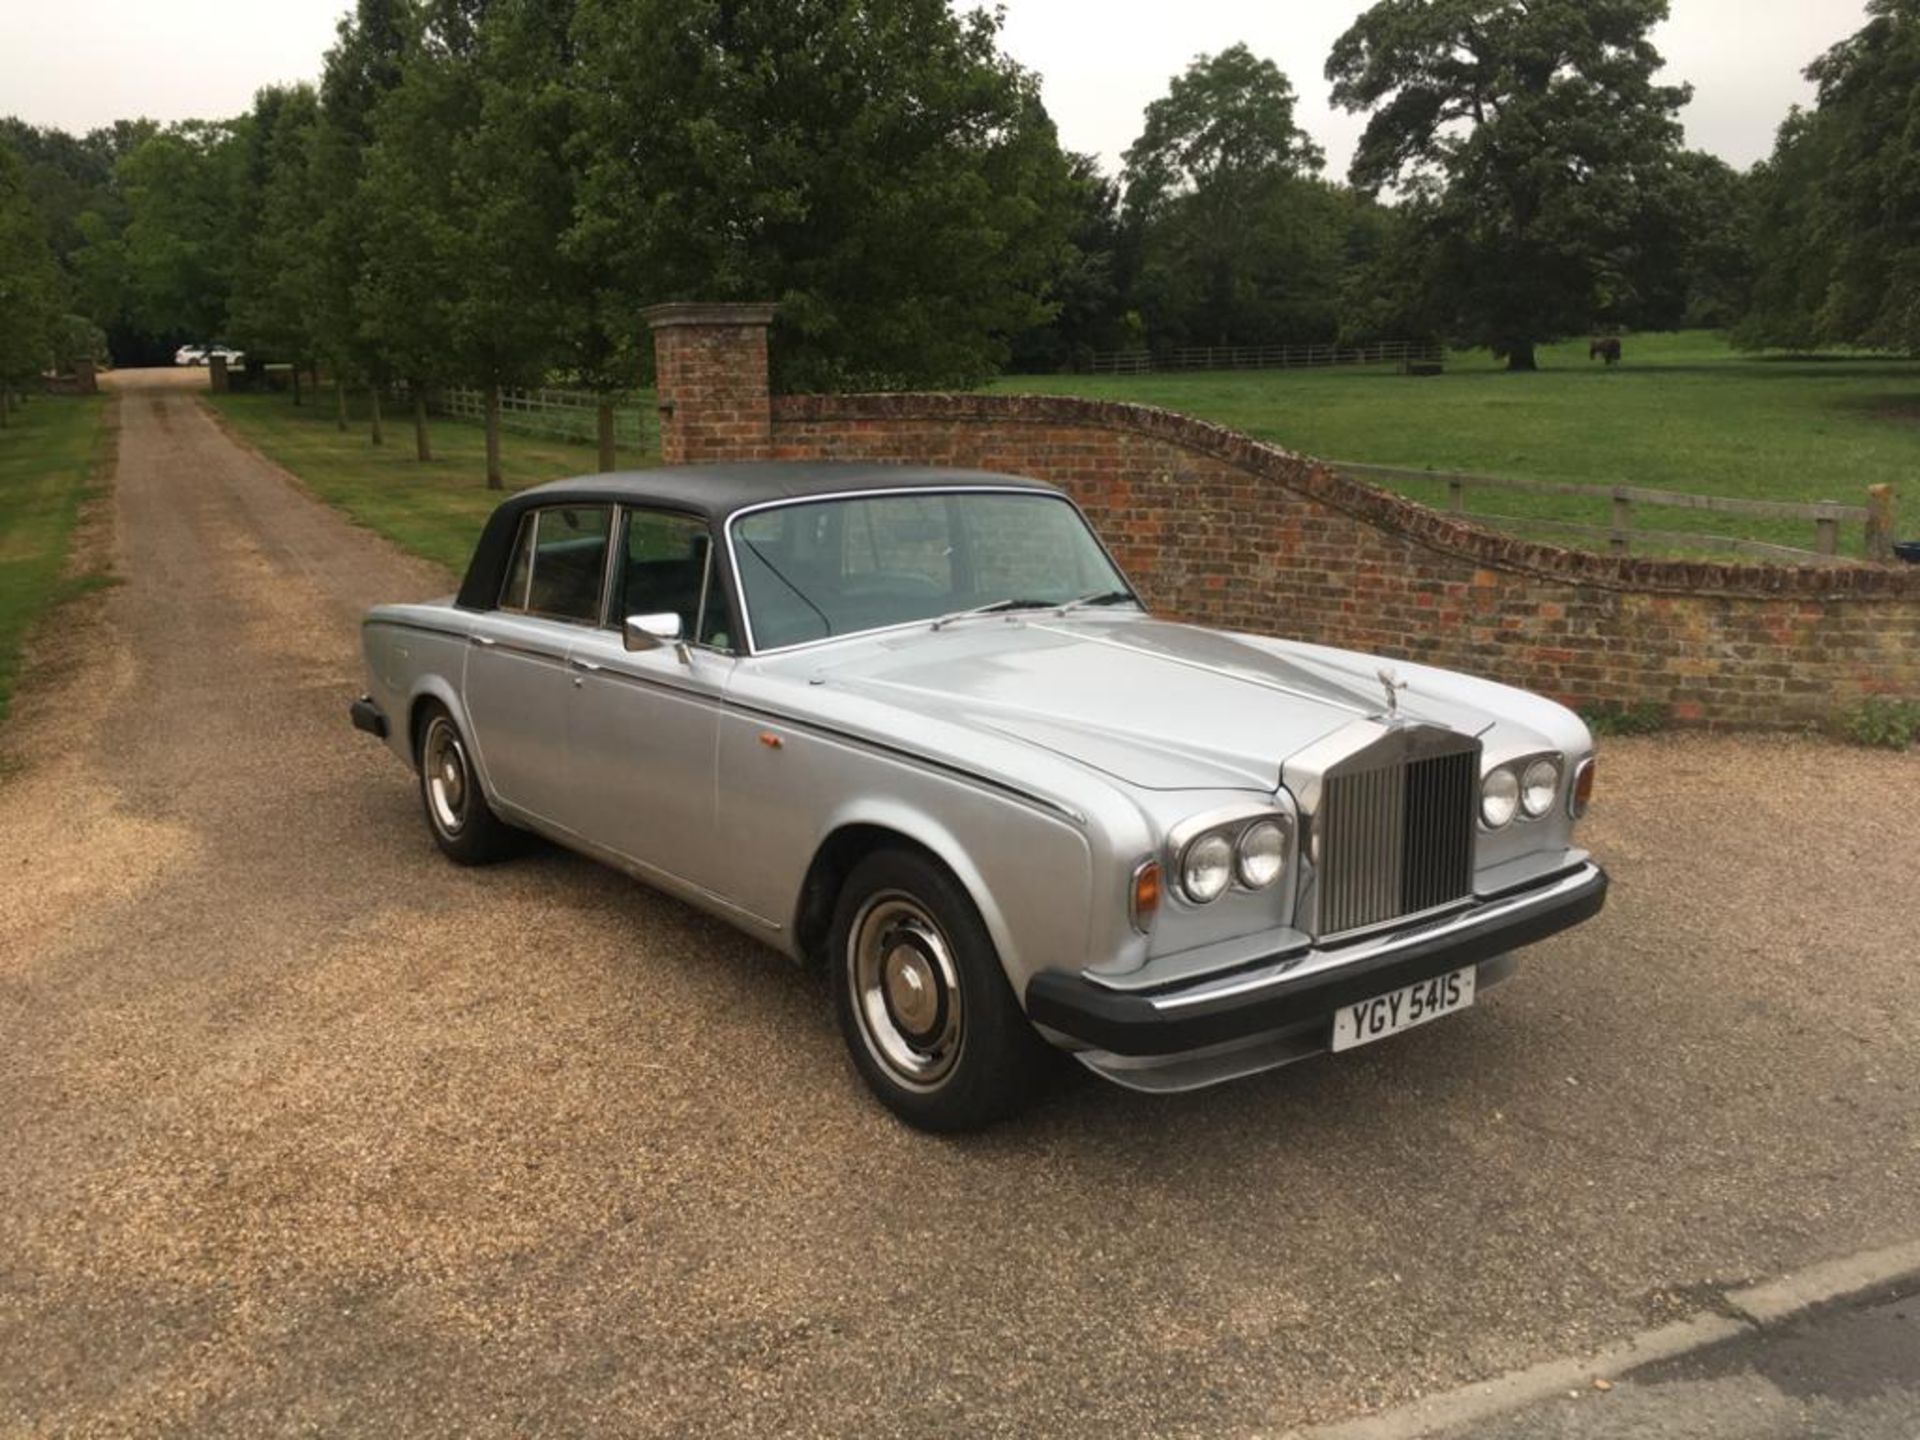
(50, 458)
(434, 509)
(1682, 412)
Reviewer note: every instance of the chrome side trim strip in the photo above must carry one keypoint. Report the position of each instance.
(1313, 962)
(897, 752)
(509, 647)
(452, 630)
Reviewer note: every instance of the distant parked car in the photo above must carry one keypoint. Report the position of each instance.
(190, 355)
(915, 724)
(231, 356)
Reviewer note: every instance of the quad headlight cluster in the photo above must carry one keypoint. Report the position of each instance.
(1249, 853)
(1524, 788)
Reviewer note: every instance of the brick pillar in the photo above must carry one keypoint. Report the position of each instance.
(710, 373)
(217, 374)
(86, 379)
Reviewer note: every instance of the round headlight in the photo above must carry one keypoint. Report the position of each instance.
(1499, 798)
(1207, 868)
(1538, 787)
(1261, 854)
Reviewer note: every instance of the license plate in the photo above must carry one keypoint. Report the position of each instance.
(1366, 1021)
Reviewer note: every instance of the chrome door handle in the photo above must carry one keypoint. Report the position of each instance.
(588, 665)
(486, 640)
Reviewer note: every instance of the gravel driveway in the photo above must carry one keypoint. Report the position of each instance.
(303, 1130)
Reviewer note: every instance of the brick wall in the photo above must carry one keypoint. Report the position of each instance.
(1219, 528)
(1216, 527)
(710, 373)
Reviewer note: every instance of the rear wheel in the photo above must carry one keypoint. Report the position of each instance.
(922, 1001)
(463, 824)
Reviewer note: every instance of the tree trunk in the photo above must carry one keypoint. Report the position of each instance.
(340, 404)
(296, 386)
(495, 481)
(422, 443)
(377, 430)
(1520, 357)
(603, 424)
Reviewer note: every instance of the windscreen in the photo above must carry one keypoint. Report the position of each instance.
(821, 568)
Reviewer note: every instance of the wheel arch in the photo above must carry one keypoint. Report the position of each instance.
(431, 692)
(851, 838)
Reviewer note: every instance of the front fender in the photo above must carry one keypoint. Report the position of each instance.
(1028, 873)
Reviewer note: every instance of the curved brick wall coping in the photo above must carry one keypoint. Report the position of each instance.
(1446, 534)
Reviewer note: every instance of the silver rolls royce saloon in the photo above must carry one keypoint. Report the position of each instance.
(917, 726)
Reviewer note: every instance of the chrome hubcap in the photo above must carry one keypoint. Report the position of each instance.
(444, 763)
(906, 990)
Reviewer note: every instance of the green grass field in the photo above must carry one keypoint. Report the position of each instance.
(1682, 412)
(436, 509)
(48, 455)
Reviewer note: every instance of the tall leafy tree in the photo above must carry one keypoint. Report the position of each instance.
(276, 284)
(409, 276)
(1688, 257)
(1089, 293)
(1238, 242)
(514, 195)
(184, 189)
(31, 298)
(363, 65)
(877, 166)
(1532, 128)
(1838, 231)
(1222, 130)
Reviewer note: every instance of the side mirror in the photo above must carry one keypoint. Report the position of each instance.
(650, 632)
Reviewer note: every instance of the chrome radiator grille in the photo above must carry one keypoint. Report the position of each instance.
(1396, 839)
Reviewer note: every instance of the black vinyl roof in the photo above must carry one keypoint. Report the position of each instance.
(714, 492)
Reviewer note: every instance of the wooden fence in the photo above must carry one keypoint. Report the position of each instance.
(1404, 353)
(1826, 518)
(561, 414)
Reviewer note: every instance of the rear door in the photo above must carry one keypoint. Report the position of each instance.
(644, 723)
(517, 680)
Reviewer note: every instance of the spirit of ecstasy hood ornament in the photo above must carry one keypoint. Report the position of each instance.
(1394, 686)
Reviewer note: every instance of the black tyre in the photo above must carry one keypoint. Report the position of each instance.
(923, 1004)
(463, 824)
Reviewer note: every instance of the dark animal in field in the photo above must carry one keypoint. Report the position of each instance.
(1607, 349)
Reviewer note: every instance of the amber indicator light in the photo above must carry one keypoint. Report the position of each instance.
(1145, 902)
(1583, 788)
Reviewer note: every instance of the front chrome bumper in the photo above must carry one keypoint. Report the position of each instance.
(1282, 1002)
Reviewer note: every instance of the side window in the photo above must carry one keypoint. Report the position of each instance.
(559, 560)
(667, 568)
(513, 595)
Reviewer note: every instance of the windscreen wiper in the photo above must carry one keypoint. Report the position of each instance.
(994, 608)
(1101, 597)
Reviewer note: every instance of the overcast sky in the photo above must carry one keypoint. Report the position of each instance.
(81, 63)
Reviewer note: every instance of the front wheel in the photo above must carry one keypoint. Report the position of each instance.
(922, 1001)
(463, 824)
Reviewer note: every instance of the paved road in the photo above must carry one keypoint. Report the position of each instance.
(1848, 1374)
(307, 1131)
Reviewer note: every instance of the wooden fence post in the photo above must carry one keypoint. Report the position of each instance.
(1880, 522)
(1456, 495)
(1622, 521)
(1826, 534)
